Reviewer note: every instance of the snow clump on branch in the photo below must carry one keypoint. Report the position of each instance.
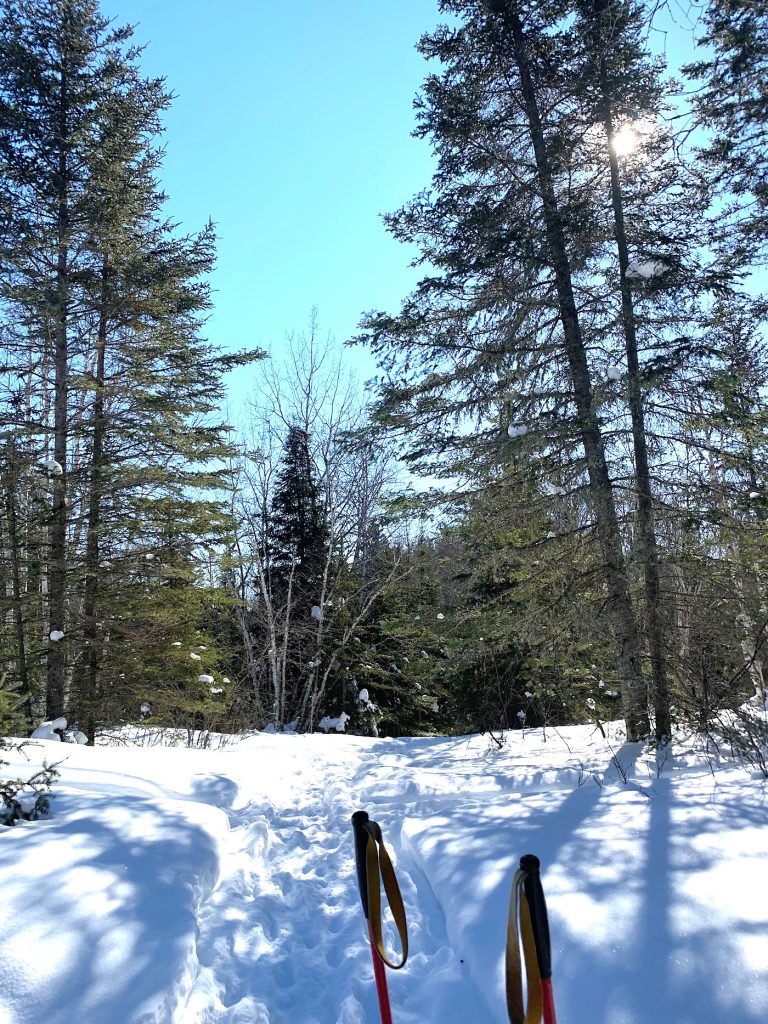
(637, 271)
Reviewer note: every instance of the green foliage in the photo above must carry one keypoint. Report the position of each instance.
(730, 102)
(298, 533)
(105, 302)
(13, 720)
(25, 799)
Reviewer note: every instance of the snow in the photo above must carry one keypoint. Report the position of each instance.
(553, 489)
(644, 271)
(517, 429)
(754, 494)
(190, 886)
(363, 696)
(205, 678)
(53, 467)
(339, 724)
(195, 657)
(47, 730)
(56, 634)
(614, 373)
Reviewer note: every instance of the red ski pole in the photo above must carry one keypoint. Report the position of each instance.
(371, 858)
(381, 982)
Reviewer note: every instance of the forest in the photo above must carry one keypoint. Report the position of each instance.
(549, 507)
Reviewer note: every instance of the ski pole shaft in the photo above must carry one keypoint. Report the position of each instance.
(548, 1001)
(537, 906)
(359, 821)
(380, 976)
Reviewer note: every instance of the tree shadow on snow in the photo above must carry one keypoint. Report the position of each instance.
(101, 911)
(628, 871)
(216, 790)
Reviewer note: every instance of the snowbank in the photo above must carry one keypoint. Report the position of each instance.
(191, 886)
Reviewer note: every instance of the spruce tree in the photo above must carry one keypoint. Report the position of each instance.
(731, 102)
(296, 565)
(509, 224)
(107, 300)
(625, 90)
(569, 291)
(55, 70)
(297, 536)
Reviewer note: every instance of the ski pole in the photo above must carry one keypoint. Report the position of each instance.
(528, 906)
(374, 865)
(537, 905)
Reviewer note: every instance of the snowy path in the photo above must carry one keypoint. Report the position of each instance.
(284, 928)
(175, 886)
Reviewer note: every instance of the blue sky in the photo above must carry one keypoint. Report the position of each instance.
(291, 130)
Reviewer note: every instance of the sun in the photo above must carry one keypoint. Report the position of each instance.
(625, 141)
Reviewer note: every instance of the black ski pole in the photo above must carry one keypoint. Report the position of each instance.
(374, 867)
(537, 906)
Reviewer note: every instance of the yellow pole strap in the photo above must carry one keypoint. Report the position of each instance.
(518, 911)
(379, 866)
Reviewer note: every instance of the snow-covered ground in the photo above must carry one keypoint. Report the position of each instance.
(192, 886)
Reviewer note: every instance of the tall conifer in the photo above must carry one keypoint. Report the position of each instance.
(107, 301)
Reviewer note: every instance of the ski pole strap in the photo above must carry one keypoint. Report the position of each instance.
(374, 867)
(519, 922)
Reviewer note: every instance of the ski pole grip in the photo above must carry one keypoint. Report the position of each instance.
(359, 821)
(534, 894)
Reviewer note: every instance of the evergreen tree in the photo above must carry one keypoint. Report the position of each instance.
(559, 188)
(732, 103)
(625, 89)
(507, 228)
(298, 533)
(55, 77)
(106, 302)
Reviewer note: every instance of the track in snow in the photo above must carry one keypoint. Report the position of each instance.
(285, 920)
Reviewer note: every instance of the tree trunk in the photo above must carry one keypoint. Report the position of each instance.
(647, 547)
(24, 689)
(624, 624)
(89, 694)
(55, 690)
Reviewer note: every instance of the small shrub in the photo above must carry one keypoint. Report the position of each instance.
(745, 730)
(25, 799)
